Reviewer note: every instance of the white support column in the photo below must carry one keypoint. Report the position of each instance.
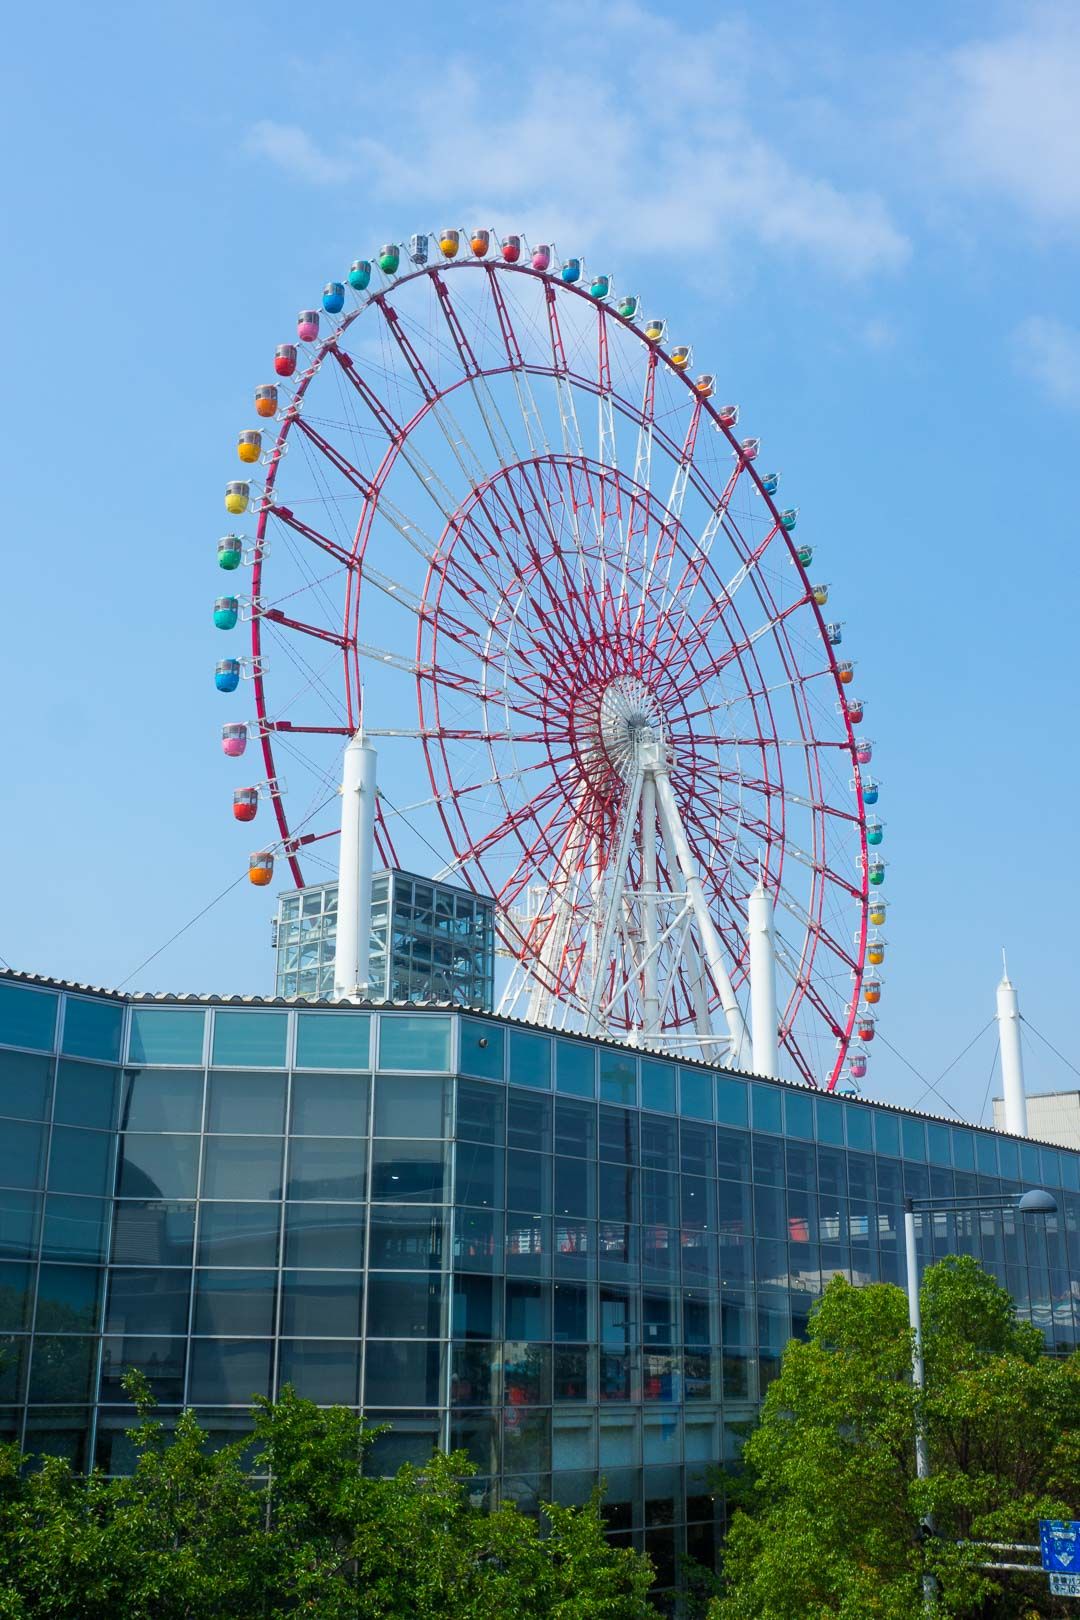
(649, 932)
(1012, 1061)
(763, 1015)
(352, 954)
(612, 904)
(706, 1035)
(707, 932)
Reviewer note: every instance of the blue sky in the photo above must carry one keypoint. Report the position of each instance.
(866, 218)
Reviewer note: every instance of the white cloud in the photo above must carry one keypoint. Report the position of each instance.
(599, 157)
(1049, 352)
(1009, 114)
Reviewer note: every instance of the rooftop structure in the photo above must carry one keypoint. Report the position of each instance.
(1053, 1116)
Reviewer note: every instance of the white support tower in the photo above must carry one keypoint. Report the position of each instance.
(764, 1023)
(1012, 1059)
(352, 953)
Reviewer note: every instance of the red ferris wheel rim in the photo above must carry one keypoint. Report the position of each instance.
(353, 560)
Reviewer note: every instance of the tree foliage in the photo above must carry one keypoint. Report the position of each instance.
(192, 1534)
(834, 1511)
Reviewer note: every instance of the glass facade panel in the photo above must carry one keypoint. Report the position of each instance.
(325, 1235)
(530, 1060)
(22, 1154)
(412, 1106)
(249, 1040)
(81, 1161)
(161, 1100)
(322, 1304)
(28, 1017)
(417, 1043)
(483, 1049)
(575, 1068)
(334, 1040)
(86, 1094)
(166, 1035)
(238, 1234)
(245, 1104)
(228, 1372)
(327, 1372)
(93, 1029)
(330, 1105)
(25, 1085)
(242, 1167)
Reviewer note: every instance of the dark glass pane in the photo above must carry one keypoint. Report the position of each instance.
(408, 1105)
(16, 1296)
(573, 1372)
(69, 1299)
(913, 1134)
(478, 1240)
(157, 1166)
(616, 1192)
(860, 1127)
(530, 1060)
(698, 1149)
(410, 1237)
(659, 1203)
(153, 1233)
(733, 1155)
(658, 1085)
(799, 1115)
(161, 1100)
(24, 1085)
(696, 1093)
(526, 1374)
(886, 1133)
(143, 1301)
(238, 1234)
(572, 1316)
(474, 1375)
(575, 1188)
(327, 1167)
(21, 1154)
(768, 1159)
(575, 1068)
(322, 1304)
(575, 1129)
(325, 1235)
(162, 1361)
(333, 1040)
(27, 1017)
(618, 1076)
(405, 1306)
(618, 1135)
(411, 1438)
(801, 1161)
(328, 1373)
(81, 1161)
(86, 1094)
(246, 1104)
(408, 1172)
(482, 1049)
(829, 1118)
(528, 1180)
(166, 1035)
(93, 1029)
(475, 1308)
(228, 1373)
(481, 1113)
(62, 1369)
(403, 1374)
(731, 1101)
(330, 1104)
(478, 1174)
(528, 1123)
(14, 1357)
(250, 1040)
(528, 1309)
(414, 1041)
(660, 1142)
(765, 1102)
(242, 1167)
(234, 1303)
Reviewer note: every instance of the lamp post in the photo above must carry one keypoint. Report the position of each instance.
(1035, 1202)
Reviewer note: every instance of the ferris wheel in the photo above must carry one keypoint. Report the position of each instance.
(505, 527)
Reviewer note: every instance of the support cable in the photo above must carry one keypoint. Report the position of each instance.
(1060, 1055)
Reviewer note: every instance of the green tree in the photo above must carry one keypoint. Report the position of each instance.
(293, 1526)
(833, 1508)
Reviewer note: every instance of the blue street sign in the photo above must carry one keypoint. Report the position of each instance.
(1059, 1542)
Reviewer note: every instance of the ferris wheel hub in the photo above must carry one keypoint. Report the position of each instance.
(616, 723)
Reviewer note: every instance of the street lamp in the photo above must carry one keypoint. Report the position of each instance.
(1035, 1202)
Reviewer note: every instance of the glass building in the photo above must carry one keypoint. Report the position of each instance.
(429, 941)
(565, 1257)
